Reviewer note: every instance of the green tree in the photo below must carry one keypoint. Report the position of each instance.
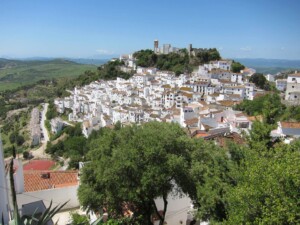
(178, 63)
(133, 166)
(75, 145)
(236, 67)
(19, 140)
(272, 109)
(111, 71)
(269, 190)
(211, 169)
(259, 137)
(259, 80)
(269, 106)
(51, 112)
(291, 113)
(145, 58)
(16, 138)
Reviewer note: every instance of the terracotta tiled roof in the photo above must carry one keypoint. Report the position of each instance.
(254, 118)
(214, 94)
(226, 103)
(239, 114)
(38, 180)
(295, 125)
(203, 103)
(294, 75)
(191, 121)
(186, 89)
(201, 134)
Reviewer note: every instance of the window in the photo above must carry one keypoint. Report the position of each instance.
(295, 96)
(294, 79)
(293, 86)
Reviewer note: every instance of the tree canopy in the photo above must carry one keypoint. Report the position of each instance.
(206, 55)
(129, 167)
(268, 105)
(74, 146)
(236, 67)
(260, 81)
(176, 62)
(133, 166)
(267, 192)
(179, 62)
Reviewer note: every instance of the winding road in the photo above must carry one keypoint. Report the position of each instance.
(40, 152)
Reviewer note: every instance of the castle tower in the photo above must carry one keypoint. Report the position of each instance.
(190, 49)
(155, 46)
(4, 207)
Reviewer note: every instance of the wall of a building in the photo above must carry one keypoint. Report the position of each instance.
(3, 188)
(56, 195)
(177, 210)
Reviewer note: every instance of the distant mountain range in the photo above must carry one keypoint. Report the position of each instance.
(96, 62)
(261, 65)
(89, 61)
(271, 66)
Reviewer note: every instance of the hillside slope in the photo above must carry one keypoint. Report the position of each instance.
(15, 73)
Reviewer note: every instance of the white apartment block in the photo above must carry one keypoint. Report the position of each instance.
(292, 93)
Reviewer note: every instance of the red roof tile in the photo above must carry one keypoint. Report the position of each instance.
(42, 180)
(201, 134)
(295, 125)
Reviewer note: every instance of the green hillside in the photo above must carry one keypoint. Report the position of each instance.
(15, 73)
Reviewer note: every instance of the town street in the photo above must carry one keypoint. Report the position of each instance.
(40, 152)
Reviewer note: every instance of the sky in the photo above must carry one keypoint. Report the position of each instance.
(106, 28)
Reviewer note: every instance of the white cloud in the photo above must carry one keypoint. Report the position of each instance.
(104, 52)
(246, 49)
(220, 48)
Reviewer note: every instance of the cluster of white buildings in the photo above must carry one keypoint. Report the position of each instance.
(202, 100)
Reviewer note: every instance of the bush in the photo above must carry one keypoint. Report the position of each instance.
(27, 155)
(20, 140)
(79, 219)
(16, 138)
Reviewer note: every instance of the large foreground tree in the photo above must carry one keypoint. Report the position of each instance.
(133, 166)
(268, 192)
